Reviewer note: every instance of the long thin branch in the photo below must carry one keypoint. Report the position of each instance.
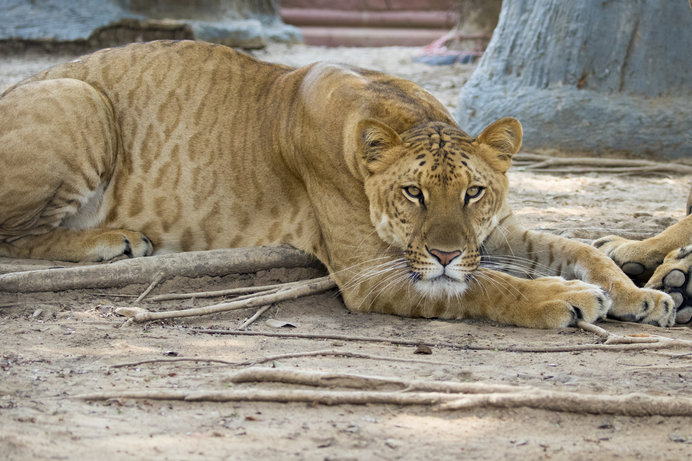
(144, 270)
(544, 160)
(634, 404)
(292, 355)
(547, 163)
(283, 396)
(444, 395)
(349, 380)
(665, 343)
(219, 293)
(308, 287)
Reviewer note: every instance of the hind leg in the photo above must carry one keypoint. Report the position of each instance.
(59, 147)
(659, 261)
(639, 259)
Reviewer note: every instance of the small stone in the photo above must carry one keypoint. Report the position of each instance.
(392, 443)
(422, 349)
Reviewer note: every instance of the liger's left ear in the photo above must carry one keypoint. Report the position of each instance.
(503, 137)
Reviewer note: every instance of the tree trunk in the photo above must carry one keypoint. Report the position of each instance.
(588, 76)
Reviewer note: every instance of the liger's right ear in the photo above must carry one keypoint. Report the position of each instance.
(374, 141)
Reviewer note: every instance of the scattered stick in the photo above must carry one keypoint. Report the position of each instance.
(151, 286)
(220, 293)
(336, 353)
(305, 288)
(257, 315)
(591, 328)
(551, 164)
(274, 358)
(175, 360)
(613, 339)
(443, 395)
(661, 343)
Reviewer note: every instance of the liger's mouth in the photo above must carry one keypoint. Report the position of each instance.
(442, 286)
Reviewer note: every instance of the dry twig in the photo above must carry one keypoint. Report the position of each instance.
(151, 286)
(308, 287)
(227, 292)
(254, 317)
(624, 345)
(293, 355)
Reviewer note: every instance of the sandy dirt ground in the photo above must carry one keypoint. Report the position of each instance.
(56, 347)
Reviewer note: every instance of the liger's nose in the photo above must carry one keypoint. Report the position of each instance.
(445, 257)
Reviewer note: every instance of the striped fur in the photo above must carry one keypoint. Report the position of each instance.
(177, 146)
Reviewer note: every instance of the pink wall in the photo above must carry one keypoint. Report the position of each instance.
(370, 22)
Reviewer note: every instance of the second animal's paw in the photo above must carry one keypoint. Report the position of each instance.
(674, 277)
(637, 259)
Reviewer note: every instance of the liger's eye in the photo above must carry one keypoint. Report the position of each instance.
(413, 193)
(473, 193)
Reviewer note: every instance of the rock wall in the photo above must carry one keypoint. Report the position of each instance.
(99, 23)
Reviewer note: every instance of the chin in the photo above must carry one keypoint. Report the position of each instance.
(441, 287)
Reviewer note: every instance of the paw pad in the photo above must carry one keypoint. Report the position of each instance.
(678, 285)
(633, 269)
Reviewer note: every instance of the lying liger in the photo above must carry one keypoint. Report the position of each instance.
(175, 146)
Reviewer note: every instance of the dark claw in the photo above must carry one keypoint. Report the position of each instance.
(128, 249)
(578, 313)
(600, 243)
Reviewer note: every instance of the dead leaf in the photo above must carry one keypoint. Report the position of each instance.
(279, 324)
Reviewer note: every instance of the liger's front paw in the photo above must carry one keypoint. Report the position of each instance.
(673, 277)
(565, 302)
(637, 259)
